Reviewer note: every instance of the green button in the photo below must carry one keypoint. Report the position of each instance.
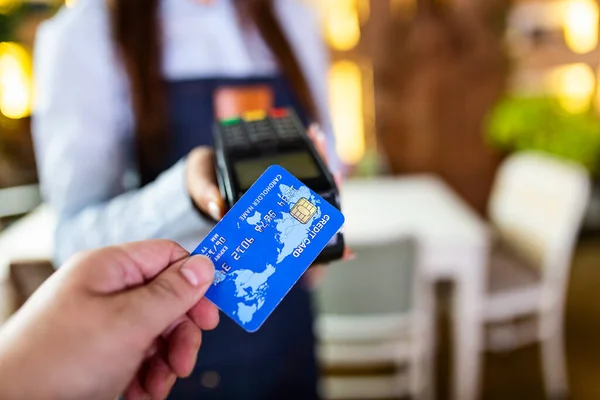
(230, 121)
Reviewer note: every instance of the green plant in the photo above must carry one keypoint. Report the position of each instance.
(540, 123)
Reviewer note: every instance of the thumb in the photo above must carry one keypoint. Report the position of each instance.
(201, 182)
(171, 294)
(317, 136)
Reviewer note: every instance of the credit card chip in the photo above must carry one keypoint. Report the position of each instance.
(303, 210)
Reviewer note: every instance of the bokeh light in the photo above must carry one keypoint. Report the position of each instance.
(6, 5)
(574, 86)
(347, 110)
(15, 81)
(581, 25)
(342, 22)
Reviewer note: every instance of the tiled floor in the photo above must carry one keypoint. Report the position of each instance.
(517, 375)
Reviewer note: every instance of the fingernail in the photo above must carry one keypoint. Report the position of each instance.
(171, 380)
(318, 132)
(349, 255)
(198, 270)
(152, 350)
(214, 210)
(320, 136)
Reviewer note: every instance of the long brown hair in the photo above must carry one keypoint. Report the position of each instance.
(137, 33)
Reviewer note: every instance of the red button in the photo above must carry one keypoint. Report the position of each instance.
(278, 113)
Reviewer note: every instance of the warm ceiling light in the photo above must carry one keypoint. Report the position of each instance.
(581, 25)
(15, 81)
(345, 80)
(342, 23)
(574, 86)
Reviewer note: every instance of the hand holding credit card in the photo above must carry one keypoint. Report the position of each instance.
(265, 243)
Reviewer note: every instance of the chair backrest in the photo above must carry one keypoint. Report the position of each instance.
(19, 200)
(378, 284)
(30, 238)
(537, 206)
(377, 281)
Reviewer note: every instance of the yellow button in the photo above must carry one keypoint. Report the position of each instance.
(255, 115)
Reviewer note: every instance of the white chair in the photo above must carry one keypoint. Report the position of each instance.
(373, 312)
(536, 208)
(19, 200)
(29, 239)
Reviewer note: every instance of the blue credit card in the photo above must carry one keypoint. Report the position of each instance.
(265, 243)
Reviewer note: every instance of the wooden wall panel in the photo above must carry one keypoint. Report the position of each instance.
(436, 77)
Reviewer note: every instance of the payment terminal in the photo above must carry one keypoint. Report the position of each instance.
(246, 146)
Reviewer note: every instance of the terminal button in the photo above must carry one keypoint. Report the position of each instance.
(256, 115)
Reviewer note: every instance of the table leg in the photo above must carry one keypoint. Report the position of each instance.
(467, 329)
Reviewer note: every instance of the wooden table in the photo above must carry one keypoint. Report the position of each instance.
(453, 244)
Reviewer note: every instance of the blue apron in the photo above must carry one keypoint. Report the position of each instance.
(278, 361)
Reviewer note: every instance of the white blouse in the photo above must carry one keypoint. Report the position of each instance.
(82, 119)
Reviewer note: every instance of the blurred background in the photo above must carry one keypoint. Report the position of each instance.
(458, 118)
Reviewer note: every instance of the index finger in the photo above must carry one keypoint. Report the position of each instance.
(116, 268)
